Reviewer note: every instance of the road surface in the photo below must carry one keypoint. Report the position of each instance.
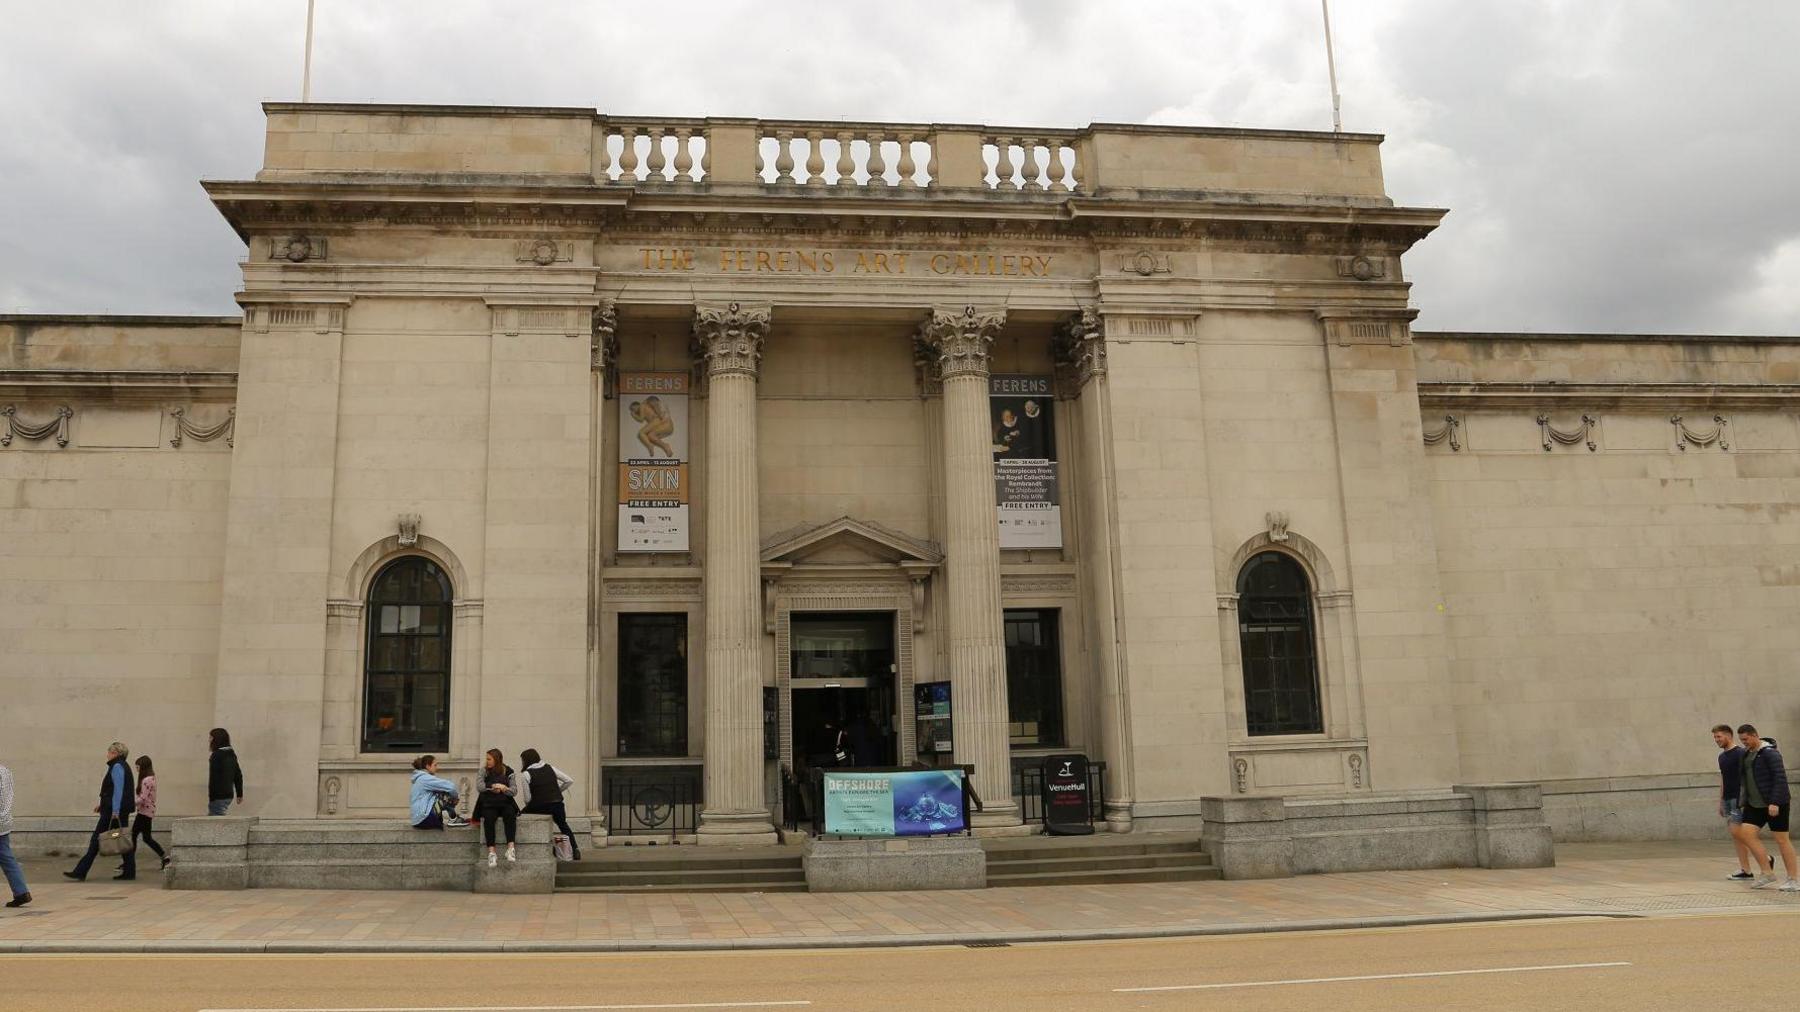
(1681, 962)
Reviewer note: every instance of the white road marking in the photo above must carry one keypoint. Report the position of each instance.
(1372, 976)
(525, 1008)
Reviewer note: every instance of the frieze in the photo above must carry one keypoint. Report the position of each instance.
(1037, 585)
(650, 590)
(297, 249)
(543, 252)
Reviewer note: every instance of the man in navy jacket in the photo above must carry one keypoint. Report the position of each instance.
(1766, 799)
(117, 801)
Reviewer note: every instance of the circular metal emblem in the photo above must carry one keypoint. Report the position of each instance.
(652, 806)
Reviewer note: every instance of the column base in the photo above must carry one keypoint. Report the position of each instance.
(998, 816)
(1118, 817)
(736, 829)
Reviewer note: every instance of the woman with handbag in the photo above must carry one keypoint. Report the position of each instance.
(541, 790)
(112, 833)
(494, 803)
(146, 808)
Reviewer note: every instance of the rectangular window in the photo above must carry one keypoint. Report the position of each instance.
(653, 679)
(1034, 677)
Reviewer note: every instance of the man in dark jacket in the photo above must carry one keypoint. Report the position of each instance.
(1766, 800)
(117, 801)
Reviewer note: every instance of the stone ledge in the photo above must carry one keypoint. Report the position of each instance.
(900, 865)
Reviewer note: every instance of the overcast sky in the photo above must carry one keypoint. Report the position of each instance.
(1623, 165)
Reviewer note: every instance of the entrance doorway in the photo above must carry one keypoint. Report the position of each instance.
(843, 667)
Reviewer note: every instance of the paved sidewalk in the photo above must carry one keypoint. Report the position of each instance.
(1590, 879)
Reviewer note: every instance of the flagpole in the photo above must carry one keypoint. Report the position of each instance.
(306, 72)
(1337, 123)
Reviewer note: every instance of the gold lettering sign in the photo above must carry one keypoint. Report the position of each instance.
(820, 262)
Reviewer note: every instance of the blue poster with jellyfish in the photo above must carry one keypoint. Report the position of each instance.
(897, 803)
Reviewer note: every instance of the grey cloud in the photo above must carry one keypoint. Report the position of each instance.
(1609, 164)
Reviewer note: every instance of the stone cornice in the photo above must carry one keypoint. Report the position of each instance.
(116, 383)
(1648, 396)
(1342, 226)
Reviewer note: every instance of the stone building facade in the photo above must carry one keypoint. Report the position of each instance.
(662, 446)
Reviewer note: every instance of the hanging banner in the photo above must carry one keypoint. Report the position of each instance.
(1025, 479)
(896, 803)
(653, 461)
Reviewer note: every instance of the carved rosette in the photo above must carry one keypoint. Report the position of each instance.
(1080, 348)
(729, 338)
(958, 340)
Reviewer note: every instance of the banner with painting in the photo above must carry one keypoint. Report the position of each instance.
(1025, 478)
(653, 461)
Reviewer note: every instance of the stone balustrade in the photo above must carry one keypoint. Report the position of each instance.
(1032, 161)
(651, 151)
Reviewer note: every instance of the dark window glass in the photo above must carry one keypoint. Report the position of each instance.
(653, 680)
(1033, 678)
(406, 678)
(1275, 627)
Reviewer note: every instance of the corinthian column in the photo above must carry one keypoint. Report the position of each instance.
(729, 339)
(958, 341)
(1081, 355)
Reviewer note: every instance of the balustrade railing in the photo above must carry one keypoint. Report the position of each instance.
(653, 151)
(1035, 161)
(863, 157)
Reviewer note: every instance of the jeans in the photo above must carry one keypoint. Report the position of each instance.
(559, 813)
(511, 818)
(141, 827)
(218, 806)
(128, 867)
(15, 875)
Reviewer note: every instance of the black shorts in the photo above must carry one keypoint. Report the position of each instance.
(1777, 823)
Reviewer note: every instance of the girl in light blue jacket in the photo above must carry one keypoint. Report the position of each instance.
(433, 797)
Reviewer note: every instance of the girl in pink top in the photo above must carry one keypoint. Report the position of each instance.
(146, 807)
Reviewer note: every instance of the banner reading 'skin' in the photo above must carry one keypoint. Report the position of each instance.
(653, 461)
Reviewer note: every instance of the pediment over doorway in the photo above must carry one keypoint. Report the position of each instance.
(848, 543)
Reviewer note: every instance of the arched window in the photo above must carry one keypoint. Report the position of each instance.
(406, 670)
(1275, 630)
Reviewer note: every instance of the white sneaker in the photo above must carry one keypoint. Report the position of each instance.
(1765, 882)
(1790, 886)
(494, 860)
(511, 857)
(455, 822)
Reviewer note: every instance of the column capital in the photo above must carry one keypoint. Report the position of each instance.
(729, 337)
(959, 339)
(1080, 347)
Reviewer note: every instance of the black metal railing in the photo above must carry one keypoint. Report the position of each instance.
(1028, 789)
(651, 801)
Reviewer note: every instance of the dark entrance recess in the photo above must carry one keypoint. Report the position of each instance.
(843, 678)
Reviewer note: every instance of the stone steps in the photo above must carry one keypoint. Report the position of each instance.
(1094, 860)
(659, 870)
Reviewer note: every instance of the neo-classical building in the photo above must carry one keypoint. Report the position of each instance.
(671, 448)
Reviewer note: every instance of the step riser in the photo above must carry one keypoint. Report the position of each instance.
(1099, 864)
(672, 880)
(713, 867)
(644, 890)
(1109, 878)
(1078, 850)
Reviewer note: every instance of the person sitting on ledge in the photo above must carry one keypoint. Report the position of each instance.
(433, 797)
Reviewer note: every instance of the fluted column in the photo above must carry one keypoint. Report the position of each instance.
(959, 341)
(729, 340)
(1081, 355)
